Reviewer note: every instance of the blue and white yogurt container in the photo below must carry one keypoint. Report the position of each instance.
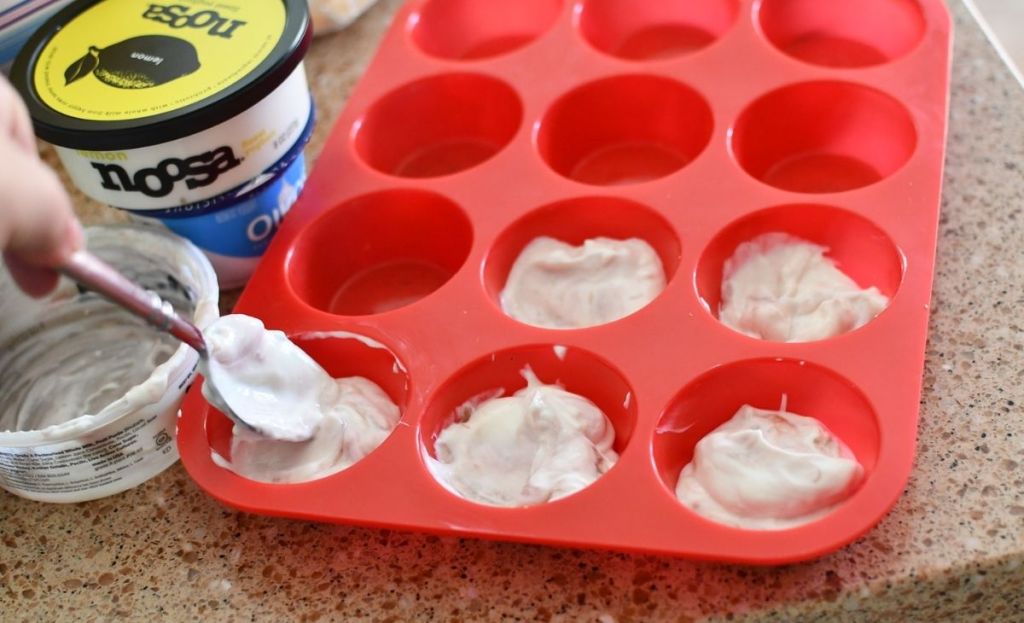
(234, 229)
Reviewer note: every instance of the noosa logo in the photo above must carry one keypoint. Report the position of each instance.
(178, 16)
(159, 181)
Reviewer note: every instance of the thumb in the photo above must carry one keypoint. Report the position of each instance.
(38, 230)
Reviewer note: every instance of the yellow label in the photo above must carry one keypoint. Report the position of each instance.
(131, 59)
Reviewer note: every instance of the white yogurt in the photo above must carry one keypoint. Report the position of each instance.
(557, 285)
(781, 288)
(538, 445)
(768, 470)
(92, 394)
(307, 424)
(90, 358)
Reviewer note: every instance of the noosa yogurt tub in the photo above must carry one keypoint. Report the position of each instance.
(234, 229)
(153, 106)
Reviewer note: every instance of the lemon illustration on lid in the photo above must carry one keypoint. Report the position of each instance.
(137, 63)
(110, 75)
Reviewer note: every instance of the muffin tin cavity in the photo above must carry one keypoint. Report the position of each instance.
(645, 31)
(715, 397)
(577, 370)
(438, 126)
(843, 33)
(858, 247)
(471, 29)
(379, 252)
(823, 137)
(341, 355)
(624, 130)
(574, 221)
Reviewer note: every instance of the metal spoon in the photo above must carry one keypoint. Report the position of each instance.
(102, 278)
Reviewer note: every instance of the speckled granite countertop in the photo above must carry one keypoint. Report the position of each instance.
(952, 550)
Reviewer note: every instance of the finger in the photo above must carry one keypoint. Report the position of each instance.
(36, 221)
(33, 280)
(17, 122)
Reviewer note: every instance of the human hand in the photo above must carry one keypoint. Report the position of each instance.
(38, 230)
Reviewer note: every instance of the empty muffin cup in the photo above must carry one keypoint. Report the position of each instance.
(843, 34)
(438, 126)
(379, 252)
(470, 30)
(624, 130)
(646, 31)
(823, 137)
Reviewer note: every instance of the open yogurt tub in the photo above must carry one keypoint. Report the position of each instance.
(91, 394)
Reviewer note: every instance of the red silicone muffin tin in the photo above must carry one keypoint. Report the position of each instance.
(695, 125)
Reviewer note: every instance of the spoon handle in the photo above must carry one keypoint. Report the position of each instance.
(100, 277)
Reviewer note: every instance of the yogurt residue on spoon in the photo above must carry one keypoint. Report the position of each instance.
(540, 444)
(305, 424)
(768, 470)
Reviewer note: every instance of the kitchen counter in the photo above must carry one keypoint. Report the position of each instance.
(951, 550)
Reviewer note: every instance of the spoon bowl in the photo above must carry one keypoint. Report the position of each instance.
(94, 274)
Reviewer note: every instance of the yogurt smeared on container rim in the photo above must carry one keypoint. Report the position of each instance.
(91, 393)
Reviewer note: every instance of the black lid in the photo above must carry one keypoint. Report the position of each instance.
(80, 133)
